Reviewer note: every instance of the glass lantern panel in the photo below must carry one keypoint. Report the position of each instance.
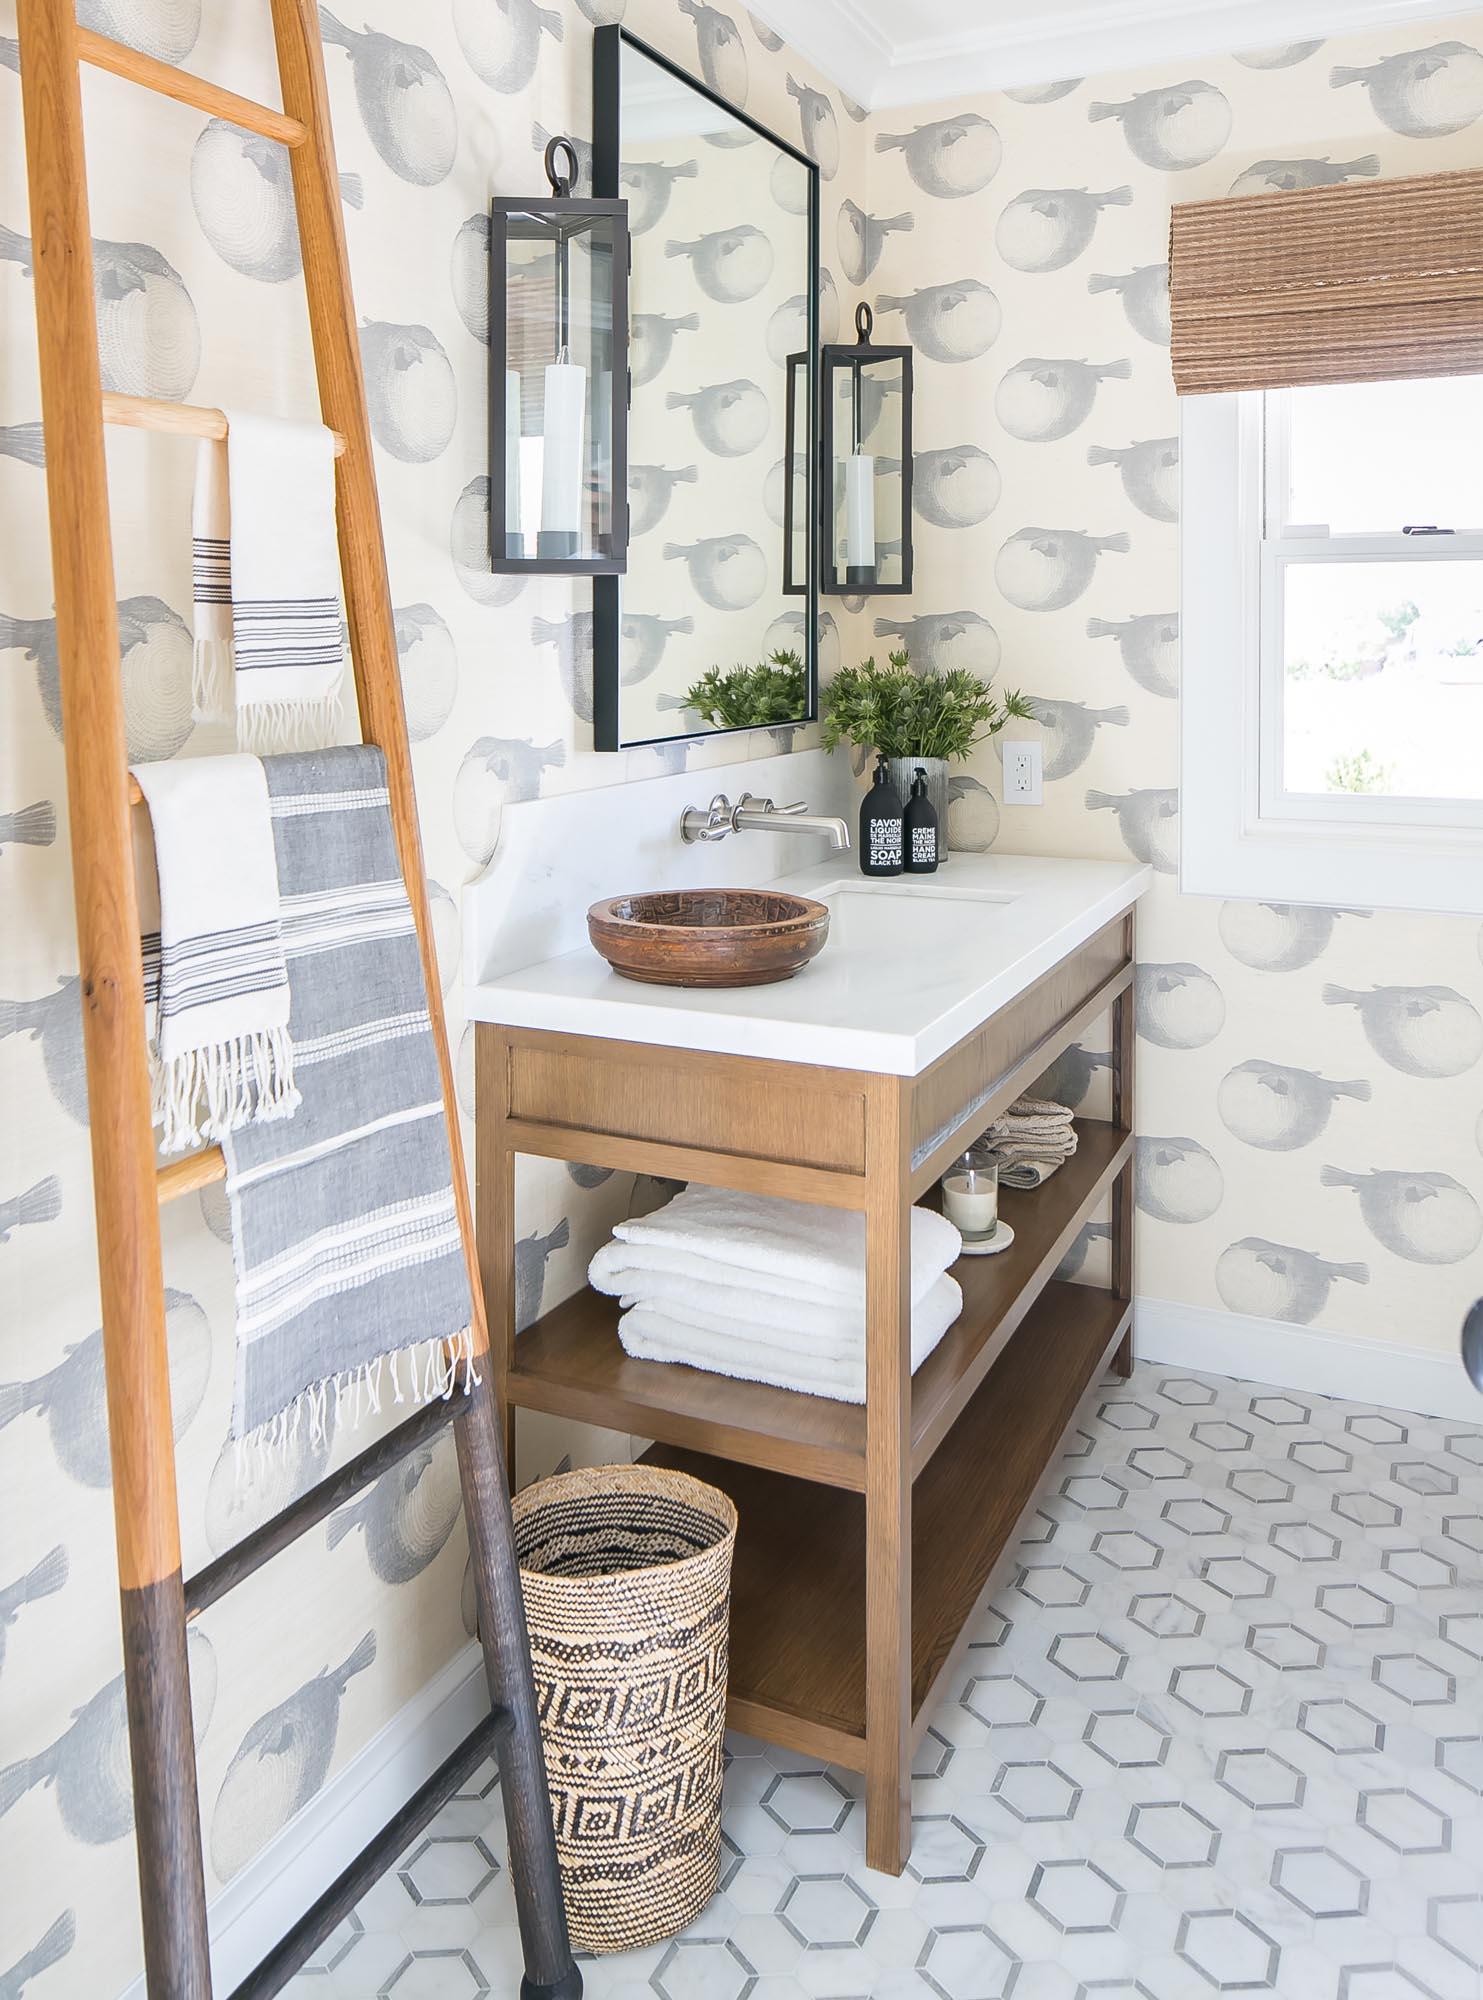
(559, 356)
(866, 541)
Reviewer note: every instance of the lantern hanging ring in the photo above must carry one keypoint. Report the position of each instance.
(562, 183)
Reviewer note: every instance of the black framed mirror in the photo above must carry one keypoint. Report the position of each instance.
(723, 298)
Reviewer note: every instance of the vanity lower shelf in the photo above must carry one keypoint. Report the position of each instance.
(570, 1362)
(798, 1591)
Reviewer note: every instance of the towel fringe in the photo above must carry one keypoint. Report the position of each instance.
(269, 728)
(472, 1379)
(213, 681)
(439, 1368)
(201, 1095)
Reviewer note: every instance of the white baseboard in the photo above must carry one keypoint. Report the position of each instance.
(1298, 1357)
(267, 1898)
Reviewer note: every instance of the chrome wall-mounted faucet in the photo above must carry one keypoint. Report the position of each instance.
(722, 817)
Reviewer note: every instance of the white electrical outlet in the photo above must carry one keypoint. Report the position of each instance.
(1022, 774)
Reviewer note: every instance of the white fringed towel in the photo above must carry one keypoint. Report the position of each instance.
(213, 694)
(222, 1055)
(267, 584)
(777, 1244)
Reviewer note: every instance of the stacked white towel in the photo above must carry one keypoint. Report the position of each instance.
(767, 1290)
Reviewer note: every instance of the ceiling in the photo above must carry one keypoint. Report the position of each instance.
(921, 51)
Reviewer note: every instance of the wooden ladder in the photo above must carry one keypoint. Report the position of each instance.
(156, 1600)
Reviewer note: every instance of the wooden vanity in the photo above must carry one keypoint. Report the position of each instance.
(869, 1537)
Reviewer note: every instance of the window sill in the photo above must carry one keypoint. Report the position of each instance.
(1370, 868)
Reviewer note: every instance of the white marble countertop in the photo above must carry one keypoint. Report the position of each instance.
(912, 964)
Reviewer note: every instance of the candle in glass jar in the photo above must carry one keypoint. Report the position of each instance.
(970, 1201)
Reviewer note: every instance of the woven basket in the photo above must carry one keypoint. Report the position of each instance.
(627, 1578)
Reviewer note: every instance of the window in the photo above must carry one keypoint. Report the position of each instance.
(1333, 644)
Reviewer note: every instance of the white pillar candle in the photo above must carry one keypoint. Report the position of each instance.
(971, 1203)
(532, 465)
(512, 453)
(859, 500)
(561, 482)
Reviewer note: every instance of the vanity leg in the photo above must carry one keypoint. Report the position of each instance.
(1121, 1362)
(1124, 1051)
(888, 1715)
(494, 1211)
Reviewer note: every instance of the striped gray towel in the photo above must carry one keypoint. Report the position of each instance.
(350, 1267)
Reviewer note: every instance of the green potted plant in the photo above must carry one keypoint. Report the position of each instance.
(756, 697)
(926, 720)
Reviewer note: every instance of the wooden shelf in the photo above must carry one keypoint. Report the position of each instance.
(570, 1362)
(798, 1591)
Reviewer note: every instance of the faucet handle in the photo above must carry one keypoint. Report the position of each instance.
(713, 824)
(748, 803)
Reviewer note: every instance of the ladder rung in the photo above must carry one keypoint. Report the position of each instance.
(187, 89)
(148, 413)
(208, 1585)
(187, 1176)
(378, 1854)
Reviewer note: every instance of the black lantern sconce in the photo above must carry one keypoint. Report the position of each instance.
(866, 449)
(558, 402)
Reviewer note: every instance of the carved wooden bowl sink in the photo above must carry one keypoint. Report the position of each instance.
(708, 937)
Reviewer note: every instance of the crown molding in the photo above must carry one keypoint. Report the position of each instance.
(837, 39)
(1093, 39)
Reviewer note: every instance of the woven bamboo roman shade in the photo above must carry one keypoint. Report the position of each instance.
(1330, 284)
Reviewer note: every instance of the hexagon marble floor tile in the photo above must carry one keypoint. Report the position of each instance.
(1221, 1731)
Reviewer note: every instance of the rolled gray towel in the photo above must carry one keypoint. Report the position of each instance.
(1026, 1174)
(1011, 1149)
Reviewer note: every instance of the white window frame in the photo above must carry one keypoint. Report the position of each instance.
(1242, 835)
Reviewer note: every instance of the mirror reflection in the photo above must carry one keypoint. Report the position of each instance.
(709, 627)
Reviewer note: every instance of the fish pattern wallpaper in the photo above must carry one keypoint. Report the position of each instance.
(1310, 1080)
(199, 297)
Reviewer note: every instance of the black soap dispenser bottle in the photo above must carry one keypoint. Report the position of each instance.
(880, 826)
(921, 843)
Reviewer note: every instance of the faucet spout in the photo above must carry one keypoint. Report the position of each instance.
(764, 815)
(749, 814)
